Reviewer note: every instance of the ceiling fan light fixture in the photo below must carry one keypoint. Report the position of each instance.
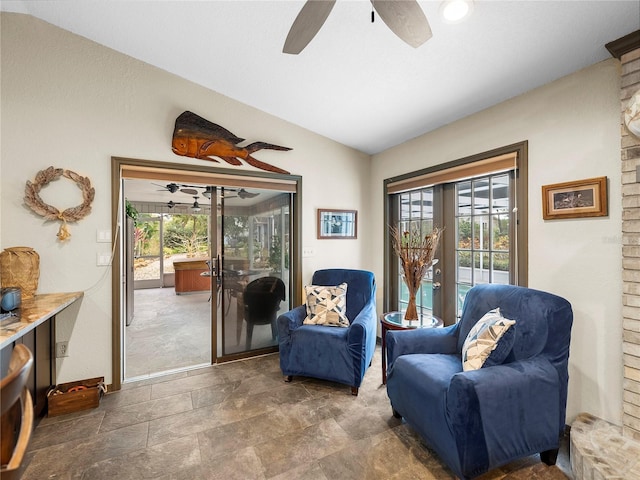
(455, 11)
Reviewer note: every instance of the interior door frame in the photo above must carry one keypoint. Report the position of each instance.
(157, 170)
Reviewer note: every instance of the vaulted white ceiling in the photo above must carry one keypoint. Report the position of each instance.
(356, 82)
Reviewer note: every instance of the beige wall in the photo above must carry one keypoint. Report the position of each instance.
(71, 103)
(573, 129)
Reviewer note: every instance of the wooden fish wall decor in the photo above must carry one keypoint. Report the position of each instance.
(197, 137)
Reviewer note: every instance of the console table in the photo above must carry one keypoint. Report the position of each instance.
(33, 324)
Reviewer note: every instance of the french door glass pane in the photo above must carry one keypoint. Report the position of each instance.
(415, 213)
(480, 232)
(501, 264)
(500, 232)
(463, 203)
(500, 194)
(480, 194)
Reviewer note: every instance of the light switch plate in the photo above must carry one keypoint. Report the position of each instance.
(103, 236)
(103, 259)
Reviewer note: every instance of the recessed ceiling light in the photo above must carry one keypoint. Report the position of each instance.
(454, 11)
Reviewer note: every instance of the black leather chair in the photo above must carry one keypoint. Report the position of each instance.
(261, 299)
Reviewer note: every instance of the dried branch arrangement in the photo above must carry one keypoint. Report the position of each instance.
(416, 252)
(33, 200)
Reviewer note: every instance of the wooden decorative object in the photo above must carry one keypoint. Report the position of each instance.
(75, 396)
(196, 137)
(43, 178)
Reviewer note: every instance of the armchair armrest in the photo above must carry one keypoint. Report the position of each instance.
(421, 340)
(484, 407)
(291, 320)
(364, 324)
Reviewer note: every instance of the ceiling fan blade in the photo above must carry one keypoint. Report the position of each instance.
(406, 19)
(307, 24)
(242, 193)
(189, 191)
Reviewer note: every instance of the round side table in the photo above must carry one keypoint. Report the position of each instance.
(396, 321)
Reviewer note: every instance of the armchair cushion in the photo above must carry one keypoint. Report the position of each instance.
(485, 338)
(327, 305)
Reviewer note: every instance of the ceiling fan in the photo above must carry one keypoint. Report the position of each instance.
(405, 18)
(207, 191)
(170, 187)
(241, 193)
(196, 207)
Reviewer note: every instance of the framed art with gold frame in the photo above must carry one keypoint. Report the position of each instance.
(577, 199)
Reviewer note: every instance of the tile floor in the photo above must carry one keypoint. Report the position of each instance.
(179, 326)
(241, 421)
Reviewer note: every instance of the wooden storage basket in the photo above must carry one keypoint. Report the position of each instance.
(75, 396)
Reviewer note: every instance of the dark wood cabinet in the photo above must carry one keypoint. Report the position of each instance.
(34, 327)
(42, 377)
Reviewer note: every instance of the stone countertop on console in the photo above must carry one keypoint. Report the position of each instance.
(32, 312)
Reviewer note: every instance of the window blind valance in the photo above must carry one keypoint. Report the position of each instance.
(454, 173)
(207, 178)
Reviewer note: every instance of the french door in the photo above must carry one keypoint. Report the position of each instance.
(483, 212)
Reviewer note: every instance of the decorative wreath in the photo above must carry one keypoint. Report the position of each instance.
(43, 178)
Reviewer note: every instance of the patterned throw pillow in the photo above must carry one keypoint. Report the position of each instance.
(327, 305)
(483, 339)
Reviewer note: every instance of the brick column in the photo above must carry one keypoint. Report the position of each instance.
(629, 54)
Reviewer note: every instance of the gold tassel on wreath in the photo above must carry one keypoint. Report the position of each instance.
(63, 232)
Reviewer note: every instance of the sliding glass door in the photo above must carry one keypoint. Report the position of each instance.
(251, 267)
(238, 241)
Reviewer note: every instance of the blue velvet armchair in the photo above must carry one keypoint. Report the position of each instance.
(336, 354)
(481, 419)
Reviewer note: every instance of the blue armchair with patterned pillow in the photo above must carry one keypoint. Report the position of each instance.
(491, 388)
(333, 336)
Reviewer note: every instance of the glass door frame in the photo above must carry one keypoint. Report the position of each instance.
(228, 266)
(187, 173)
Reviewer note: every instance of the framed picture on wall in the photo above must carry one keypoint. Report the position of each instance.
(339, 224)
(581, 198)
